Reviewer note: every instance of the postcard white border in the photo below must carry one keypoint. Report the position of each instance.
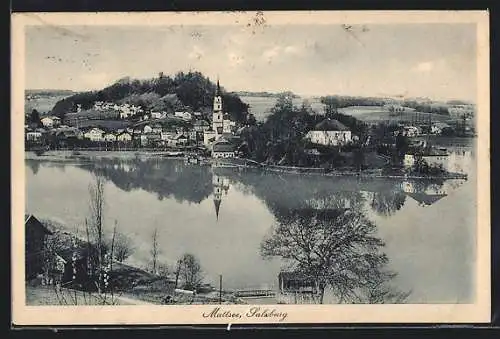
(479, 312)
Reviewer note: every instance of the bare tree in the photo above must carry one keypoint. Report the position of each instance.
(335, 248)
(95, 226)
(155, 251)
(123, 247)
(190, 271)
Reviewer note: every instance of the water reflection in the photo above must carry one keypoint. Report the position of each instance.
(249, 205)
(332, 250)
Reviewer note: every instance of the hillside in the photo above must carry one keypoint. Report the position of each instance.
(189, 91)
(48, 92)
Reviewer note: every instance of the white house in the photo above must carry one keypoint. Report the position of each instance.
(223, 149)
(124, 137)
(147, 129)
(109, 137)
(431, 157)
(167, 135)
(158, 115)
(183, 115)
(95, 134)
(438, 127)
(33, 136)
(412, 131)
(48, 122)
(330, 132)
(157, 128)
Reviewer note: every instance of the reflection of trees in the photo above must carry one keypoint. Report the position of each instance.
(34, 165)
(166, 178)
(335, 248)
(387, 203)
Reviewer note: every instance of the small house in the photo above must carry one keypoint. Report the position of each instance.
(147, 129)
(124, 137)
(47, 122)
(109, 137)
(33, 136)
(201, 126)
(440, 127)
(157, 128)
(431, 156)
(95, 134)
(35, 237)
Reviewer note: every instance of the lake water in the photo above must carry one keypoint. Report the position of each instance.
(428, 227)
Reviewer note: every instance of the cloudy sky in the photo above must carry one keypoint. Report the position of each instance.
(433, 60)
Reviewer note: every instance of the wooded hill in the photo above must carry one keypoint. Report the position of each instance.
(184, 91)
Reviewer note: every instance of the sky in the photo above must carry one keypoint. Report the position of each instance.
(437, 61)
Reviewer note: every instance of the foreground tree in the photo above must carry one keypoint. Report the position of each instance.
(122, 247)
(335, 248)
(189, 270)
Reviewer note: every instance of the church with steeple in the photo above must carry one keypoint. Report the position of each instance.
(222, 125)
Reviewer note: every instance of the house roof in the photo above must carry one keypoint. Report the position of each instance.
(426, 199)
(297, 276)
(330, 125)
(179, 136)
(441, 125)
(223, 146)
(201, 123)
(32, 220)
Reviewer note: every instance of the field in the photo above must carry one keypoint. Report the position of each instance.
(42, 105)
(261, 106)
(376, 113)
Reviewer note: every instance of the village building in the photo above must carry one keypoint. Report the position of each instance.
(412, 131)
(439, 128)
(178, 140)
(50, 122)
(209, 137)
(158, 115)
(95, 134)
(295, 288)
(223, 149)
(157, 128)
(35, 237)
(330, 132)
(33, 136)
(201, 126)
(124, 137)
(183, 115)
(431, 156)
(147, 129)
(109, 137)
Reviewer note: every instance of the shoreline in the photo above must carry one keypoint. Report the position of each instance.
(241, 163)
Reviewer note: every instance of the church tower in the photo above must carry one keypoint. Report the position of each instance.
(218, 116)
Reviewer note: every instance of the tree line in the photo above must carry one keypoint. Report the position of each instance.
(191, 91)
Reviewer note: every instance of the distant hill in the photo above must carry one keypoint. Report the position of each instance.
(48, 92)
(263, 94)
(189, 91)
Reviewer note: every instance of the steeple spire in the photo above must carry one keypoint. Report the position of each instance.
(217, 207)
(218, 88)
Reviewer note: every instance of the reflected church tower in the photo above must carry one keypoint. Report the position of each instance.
(220, 189)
